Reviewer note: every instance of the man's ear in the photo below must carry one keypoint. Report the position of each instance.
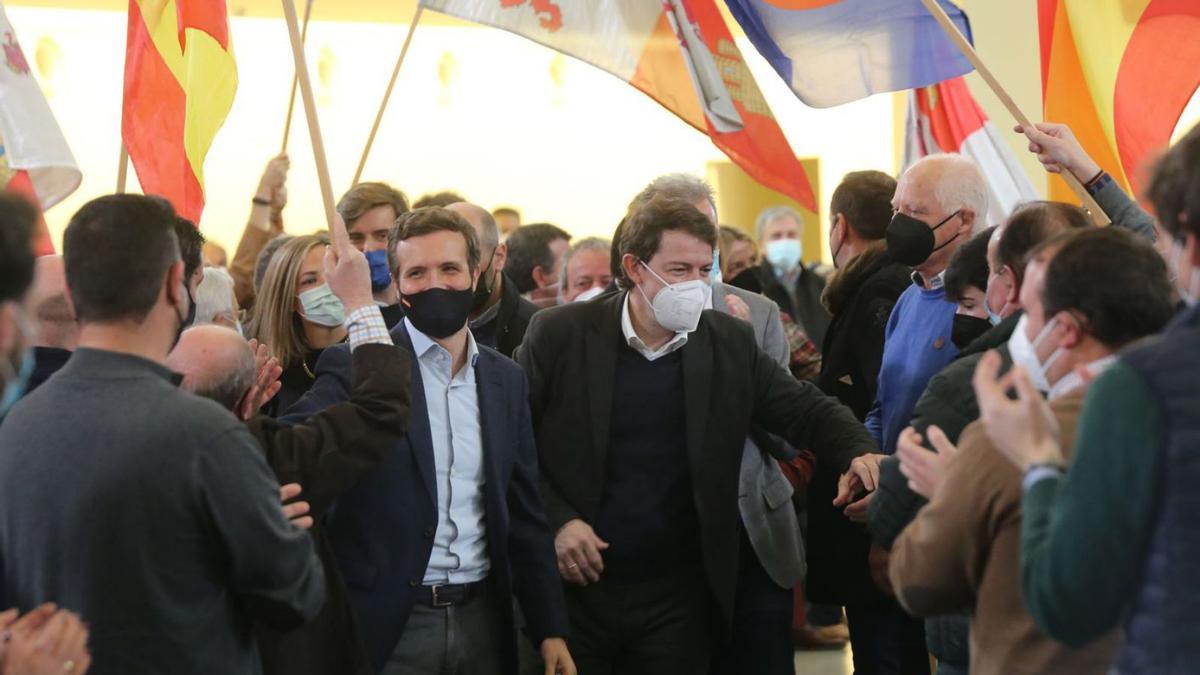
(541, 278)
(175, 293)
(968, 222)
(1013, 296)
(8, 327)
(633, 270)
(501, 257)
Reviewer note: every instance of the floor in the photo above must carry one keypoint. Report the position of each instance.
(824, 663)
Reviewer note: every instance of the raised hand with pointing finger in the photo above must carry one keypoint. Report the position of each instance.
(346, 270)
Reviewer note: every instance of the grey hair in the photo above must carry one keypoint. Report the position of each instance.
(683, 186)
(588, 244)
(774, 212)
(960, 185)
(214, 295)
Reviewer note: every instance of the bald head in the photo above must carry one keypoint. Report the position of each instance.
(215, 362)
(484, 224)
(50, 306)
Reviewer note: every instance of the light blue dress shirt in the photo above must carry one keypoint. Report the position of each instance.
(460, 553)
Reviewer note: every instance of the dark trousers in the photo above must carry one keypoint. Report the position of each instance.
(658, 627)
(886, 640)
(458, 640)
(761, 643)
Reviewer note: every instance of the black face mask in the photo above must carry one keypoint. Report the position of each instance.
(483, 291)
(747, 280)
(911, 241)
(438, 312)
(966, 328)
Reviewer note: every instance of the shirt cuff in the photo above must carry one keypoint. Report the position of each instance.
(365, 325)
(1097, 184)
(1038, 473)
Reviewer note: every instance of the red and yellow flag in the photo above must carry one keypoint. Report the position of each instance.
(180, 79)
(1119, 73)
(679, 52)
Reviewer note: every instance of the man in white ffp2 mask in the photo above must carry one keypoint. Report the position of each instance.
(641, 404)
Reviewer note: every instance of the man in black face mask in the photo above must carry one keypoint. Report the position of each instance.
(425, 549)
(499, 315)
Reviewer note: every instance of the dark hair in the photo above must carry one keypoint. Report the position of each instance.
(647, 223)
(968, 267)
(615, 253)
(117, 251)
(191, 246)
(1175, 187)
(366, 196)
(865, 199)
(1031, 224)
(427, 220)
(442, 199)
(17, 220)
(529, 248)
(1115, 280)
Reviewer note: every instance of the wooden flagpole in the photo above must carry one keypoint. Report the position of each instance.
(122, 168)
(310, 111)
(387, 94)
(287, 122)
(965, 47)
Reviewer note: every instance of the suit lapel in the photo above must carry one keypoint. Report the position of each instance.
(492, 399)
(697, 391)
(419, 435)
(600, 363)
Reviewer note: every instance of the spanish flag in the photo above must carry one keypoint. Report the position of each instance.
(180, 79)
(1119, 73)
(678, 52)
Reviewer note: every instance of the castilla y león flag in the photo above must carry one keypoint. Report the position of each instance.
(678, 52)
(180, 79)
(946, 118)
(35, 160)
(1119, 73)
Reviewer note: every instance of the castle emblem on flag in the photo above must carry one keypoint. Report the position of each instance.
(549, 13)
(14, 58)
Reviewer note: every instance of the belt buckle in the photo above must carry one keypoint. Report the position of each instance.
(437, 601)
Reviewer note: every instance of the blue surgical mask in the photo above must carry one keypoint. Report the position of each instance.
(320, 306)
(381, 276)
(14, 387)
(784, 254)
(714, 276)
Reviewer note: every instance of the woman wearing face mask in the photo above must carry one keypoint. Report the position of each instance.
(967, 285)
(296, 316)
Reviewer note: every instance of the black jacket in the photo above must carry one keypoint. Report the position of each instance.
(807, 310)
(327, 455)
(570, 356)
(860, 297)
(513, 319)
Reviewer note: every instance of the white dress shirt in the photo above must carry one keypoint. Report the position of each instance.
(632, 339)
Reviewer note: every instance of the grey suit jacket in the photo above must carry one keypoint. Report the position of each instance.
(764, 494)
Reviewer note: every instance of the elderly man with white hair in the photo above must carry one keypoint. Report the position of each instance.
(796, 288)
(215, 300)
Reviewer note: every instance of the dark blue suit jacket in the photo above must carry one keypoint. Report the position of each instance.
(383, 528)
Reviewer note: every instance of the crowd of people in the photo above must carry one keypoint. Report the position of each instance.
(433, 439)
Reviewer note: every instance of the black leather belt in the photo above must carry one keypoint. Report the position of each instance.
(448, 595)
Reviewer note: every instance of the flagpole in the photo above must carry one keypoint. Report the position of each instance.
(387, 94)
(287, 122)
(310, 111)
(122, 168)
(964, 45)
